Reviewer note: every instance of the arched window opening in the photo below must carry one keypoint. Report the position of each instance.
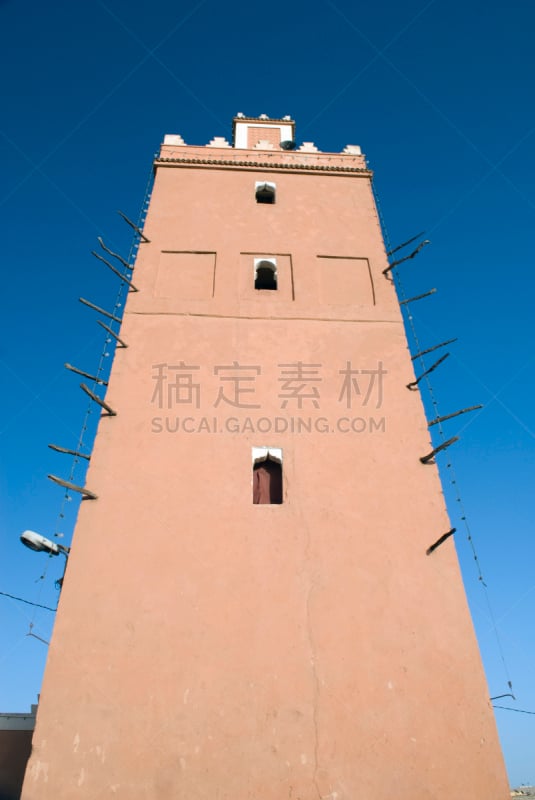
(267, 476)
(265, 192)
(265, 275)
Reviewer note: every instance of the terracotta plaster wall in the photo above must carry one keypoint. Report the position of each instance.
(209, 648)
(213, 210)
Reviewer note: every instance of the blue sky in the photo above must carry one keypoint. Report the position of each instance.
(439, 96)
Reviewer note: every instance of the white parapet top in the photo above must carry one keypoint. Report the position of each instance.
(309, 147)
(218, 141)
(174, 139)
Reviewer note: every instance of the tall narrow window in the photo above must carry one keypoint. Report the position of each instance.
(265, 273)
(265, 192)
(267, 476)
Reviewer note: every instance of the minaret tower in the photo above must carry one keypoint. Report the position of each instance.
(249, 611)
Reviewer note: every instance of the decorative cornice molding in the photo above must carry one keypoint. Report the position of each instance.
(161, 160)
(260, 120)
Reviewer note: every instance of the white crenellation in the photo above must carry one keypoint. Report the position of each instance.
(352, 150)
(218, 141)
(174, 139)
(308, 147)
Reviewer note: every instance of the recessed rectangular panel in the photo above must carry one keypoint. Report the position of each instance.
(185, 275)
(345, 281)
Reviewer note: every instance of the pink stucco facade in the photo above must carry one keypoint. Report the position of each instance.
(210, 648)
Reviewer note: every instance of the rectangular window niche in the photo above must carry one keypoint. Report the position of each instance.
(267, 476)
(266, 276)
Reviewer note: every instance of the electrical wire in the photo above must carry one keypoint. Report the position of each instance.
(28, 602)
(518, 710)
(109, 343)
(398, 283)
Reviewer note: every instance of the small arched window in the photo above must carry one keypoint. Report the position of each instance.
(267, 476)
(265, 192)
(265, 273)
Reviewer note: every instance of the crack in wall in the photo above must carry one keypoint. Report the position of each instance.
(310, 584)
(315, 685)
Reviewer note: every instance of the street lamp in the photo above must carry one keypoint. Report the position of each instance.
(43, 545)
